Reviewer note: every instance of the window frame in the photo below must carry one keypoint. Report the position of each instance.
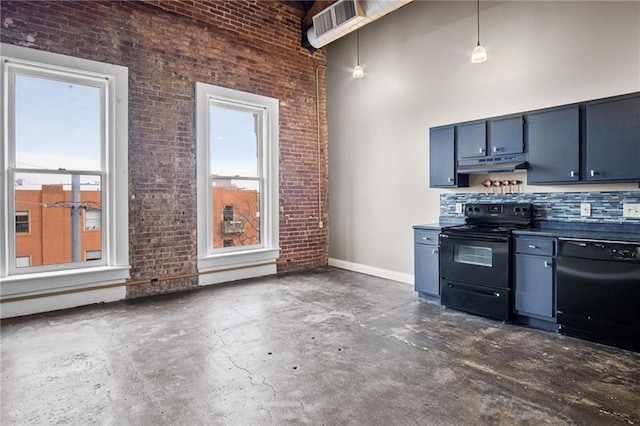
(254, 260)
(115, 269)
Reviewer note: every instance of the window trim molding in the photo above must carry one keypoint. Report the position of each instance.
(116, 156)
(252, 260)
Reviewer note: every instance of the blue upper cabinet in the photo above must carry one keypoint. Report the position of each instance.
(612, 139)
(442, 164)
(505, 135)
(471, 139)
(553, 140)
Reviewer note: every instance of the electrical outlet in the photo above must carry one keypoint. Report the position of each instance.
(631, 210)
(459, 208)
(585, 209)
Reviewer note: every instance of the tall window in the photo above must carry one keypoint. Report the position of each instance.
(64, 153)
(56, 142)
(237, 177)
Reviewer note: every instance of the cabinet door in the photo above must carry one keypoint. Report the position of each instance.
(471, 139)
(534, 286)
(441, 157)
(505, 135)
(553, 141)
(427, 276)
(613, 139)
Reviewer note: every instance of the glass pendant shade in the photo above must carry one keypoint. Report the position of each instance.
(477, 56)
(358, 72)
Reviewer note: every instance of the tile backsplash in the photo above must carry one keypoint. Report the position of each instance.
(555, 206)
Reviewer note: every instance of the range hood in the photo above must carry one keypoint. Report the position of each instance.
(499, 163)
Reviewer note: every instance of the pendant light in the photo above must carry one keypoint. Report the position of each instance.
(479, 54)
(358, 72)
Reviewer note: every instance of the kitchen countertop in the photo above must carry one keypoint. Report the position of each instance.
(543, 228)
(442, 223)
(593, 231)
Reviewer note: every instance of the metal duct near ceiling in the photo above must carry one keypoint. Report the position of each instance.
(345, 16)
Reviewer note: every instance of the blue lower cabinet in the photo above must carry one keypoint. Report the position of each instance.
(427, 276)
(534, 282)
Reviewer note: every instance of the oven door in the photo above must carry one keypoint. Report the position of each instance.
(475, 259)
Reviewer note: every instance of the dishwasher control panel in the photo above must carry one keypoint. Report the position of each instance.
(599, 250)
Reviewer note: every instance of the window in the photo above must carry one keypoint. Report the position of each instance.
(65, 150)
(22, 222)
(92, 255)
(92, 219)
(237, 178)
(23, 261)
(227, 213)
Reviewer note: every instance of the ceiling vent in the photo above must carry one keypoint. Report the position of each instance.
(345, 16)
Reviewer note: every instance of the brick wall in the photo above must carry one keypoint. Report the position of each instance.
(168, 46)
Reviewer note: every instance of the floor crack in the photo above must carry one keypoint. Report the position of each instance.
(249, 373)
(304, 410)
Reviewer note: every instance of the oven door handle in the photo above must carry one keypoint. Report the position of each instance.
(474, 238)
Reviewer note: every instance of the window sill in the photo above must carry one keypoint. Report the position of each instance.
(45, 282)
(226, 267)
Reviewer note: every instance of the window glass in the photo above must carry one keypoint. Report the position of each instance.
(92, 219)
(22, 222)
(236, 171)
(227, 213)
(233, 141)
(236, 212)
(58, 132)
(93, 255)
(23, 261)
(58, 202)
(57, 124)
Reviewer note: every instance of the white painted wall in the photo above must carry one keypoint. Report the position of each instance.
(418, 74)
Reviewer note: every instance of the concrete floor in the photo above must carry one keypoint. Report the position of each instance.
(324, 347)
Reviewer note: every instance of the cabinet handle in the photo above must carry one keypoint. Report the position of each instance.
(450, 179)
(593, 173)
(481, 150)
(426, 238)
(573, 174)
(496, 149)
(532, 246)
(546, 264)
(435, 251)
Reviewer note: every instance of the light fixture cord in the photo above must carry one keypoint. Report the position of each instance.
(358, 46)
(478, 22)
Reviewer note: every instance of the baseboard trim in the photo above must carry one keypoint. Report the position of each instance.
(372, 270)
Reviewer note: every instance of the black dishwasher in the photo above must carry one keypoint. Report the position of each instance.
(598, 291)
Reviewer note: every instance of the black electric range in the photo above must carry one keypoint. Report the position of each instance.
(475, 259)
